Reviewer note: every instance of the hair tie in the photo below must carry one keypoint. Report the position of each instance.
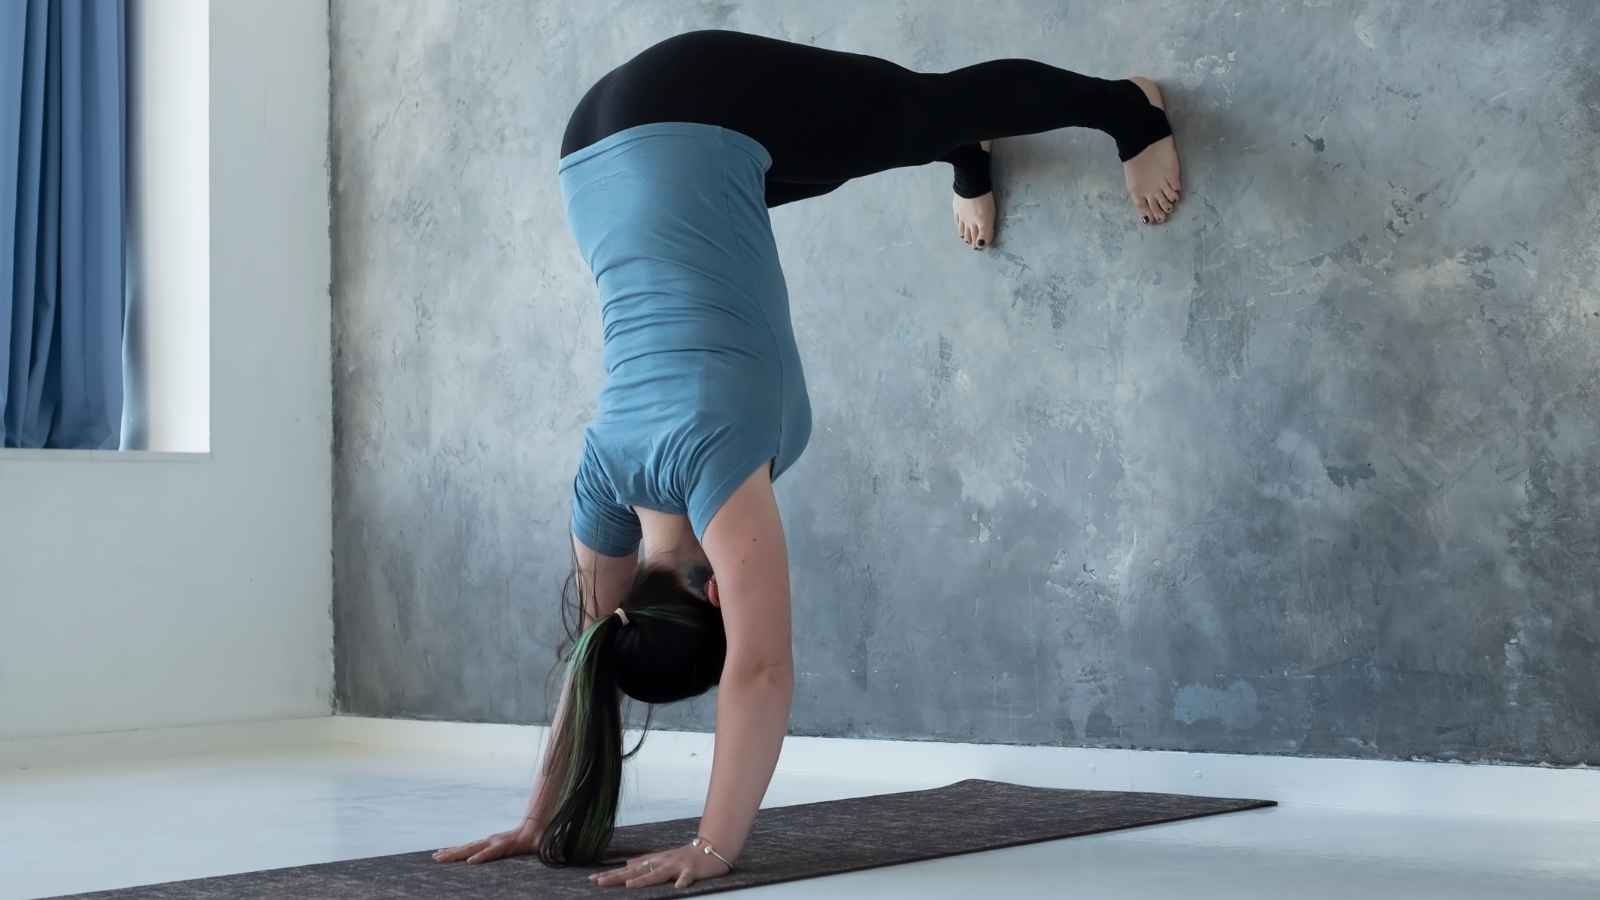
(622, 615)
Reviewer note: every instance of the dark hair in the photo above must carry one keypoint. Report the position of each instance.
(671, 649)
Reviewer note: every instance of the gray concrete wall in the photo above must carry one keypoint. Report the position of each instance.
(1309, 470)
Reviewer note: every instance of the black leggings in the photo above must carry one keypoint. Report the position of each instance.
(827, 117)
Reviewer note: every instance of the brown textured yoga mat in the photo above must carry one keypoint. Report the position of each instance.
(787, 843)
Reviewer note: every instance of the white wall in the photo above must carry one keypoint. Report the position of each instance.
(147, 590)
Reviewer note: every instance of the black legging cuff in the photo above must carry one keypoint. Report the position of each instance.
(1145, 124)
(971, 164)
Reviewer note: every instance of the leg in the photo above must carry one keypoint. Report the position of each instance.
(781, 192)
(1008, 97)
(827, 117)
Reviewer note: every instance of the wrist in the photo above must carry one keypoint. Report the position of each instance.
(710, 849)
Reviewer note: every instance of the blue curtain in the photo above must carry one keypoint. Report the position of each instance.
(62, 150)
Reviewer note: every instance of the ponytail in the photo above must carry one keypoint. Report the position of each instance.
(588, 739)
(663, 645)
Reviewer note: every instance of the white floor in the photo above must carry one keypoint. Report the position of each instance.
(68, 830)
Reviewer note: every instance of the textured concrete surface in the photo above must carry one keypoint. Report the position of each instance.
(1309, 470)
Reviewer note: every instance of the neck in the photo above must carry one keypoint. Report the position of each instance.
(691, 565)
(670, 543)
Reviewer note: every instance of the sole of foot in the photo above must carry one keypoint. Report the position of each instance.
(975, 216)
(1152, 176)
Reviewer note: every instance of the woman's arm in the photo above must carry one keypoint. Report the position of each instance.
(602, 580)
(744, 542)
(602, 583)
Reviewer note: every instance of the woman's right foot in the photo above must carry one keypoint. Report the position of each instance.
(1153, 175)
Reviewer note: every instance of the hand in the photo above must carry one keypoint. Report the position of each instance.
(686, 864)
(518, 841)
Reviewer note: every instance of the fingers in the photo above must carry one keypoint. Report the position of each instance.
(478, 852)
(497, 847)
(613, 877)
(680, 867)
(487, 854)
(627, 875)
(649, 878)
(642, 872)
(456, 854)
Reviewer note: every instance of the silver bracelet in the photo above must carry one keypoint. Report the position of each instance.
(698, 840)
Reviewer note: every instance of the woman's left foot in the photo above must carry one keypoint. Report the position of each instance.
(975, 216)
(1153, 175)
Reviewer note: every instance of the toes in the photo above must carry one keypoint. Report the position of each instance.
(1143, 209)
(1170, 195)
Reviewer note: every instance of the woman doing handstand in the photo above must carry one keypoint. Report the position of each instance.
(668, 167)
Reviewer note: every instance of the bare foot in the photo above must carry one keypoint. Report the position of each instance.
(975, 216)
(1153, 174)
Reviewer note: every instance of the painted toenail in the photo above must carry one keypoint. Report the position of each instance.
(981, 243)
(1145, 219)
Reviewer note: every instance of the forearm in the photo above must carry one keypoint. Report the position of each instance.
(549, 774)
(752, 718)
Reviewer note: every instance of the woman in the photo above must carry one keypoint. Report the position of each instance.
(668, 168)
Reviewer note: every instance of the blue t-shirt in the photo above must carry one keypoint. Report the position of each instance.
(703, 379)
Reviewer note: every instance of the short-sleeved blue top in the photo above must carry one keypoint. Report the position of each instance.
(703, 383)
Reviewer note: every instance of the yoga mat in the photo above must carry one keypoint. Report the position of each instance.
(787, 843)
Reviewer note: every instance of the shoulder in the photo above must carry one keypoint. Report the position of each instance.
(599, 519)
